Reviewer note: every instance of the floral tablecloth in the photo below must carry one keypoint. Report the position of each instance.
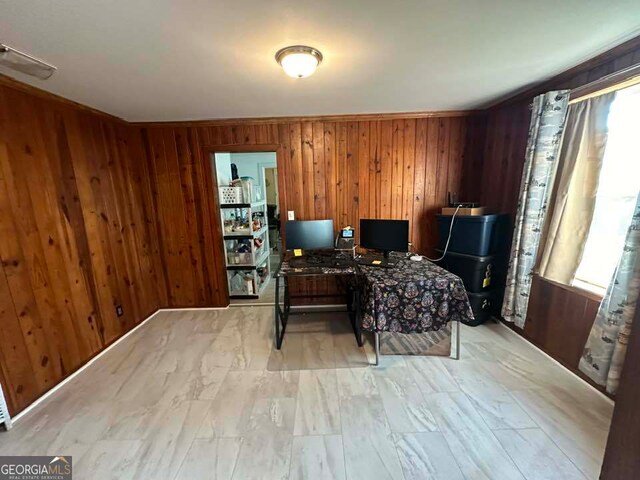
(413, 297)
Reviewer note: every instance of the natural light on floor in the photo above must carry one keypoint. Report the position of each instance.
(617, 192)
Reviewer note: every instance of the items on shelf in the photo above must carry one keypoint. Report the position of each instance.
(242, 283)
(242, 190)
(229, 195)
(249, 286)
(246, 246)
(236, 222)
(263, 274)
(239, 252)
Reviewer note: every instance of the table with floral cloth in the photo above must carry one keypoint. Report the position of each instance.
(412, 297)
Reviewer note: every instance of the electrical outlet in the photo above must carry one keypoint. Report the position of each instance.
(119, 310)
(291, 215)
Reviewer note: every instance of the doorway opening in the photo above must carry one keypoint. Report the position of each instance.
(250, 219)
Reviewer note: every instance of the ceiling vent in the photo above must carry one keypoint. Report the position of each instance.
(16, 60)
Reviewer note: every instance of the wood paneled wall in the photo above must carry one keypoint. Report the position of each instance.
(621, 458)
(559, 318)
(188, 226)
(76, 239)
(343, 170)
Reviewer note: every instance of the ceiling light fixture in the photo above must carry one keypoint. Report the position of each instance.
(22, 62)
(299, 61)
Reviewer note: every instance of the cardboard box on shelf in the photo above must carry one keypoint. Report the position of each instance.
(463, 211)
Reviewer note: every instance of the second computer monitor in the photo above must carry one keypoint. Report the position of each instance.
(385, 235)
(309, 234)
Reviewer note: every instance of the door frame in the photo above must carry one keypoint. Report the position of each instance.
(213, 200)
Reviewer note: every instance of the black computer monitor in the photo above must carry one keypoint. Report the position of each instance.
(385, 235)
(309, 234)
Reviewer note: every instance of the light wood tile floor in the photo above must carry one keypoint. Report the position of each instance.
(202, 395)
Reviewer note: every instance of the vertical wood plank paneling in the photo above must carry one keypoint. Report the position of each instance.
(17, 370)
(331, 171)
(351, 191)
(285, 182)
(73, 241)
(408, 175)
(22, 340)
(386, 168)
(344, 170)
(319, 172)
(419, 221)
(374, 170)
(193, 220)
(456, 147)
(397, 173)
(308, 183)
(341, 179)
(296, 171)
(364, 186)
(51, 284)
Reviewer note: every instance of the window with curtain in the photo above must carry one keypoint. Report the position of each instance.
(618, 187)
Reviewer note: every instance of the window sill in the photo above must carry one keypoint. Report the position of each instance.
(588, 287)
(577, 290)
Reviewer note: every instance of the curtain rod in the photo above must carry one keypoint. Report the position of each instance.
(614, 81)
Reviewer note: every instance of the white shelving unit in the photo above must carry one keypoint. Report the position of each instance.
(246, 246)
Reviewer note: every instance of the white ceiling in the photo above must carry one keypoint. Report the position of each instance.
(146, 60)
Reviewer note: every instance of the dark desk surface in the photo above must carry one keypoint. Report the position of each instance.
(286, 269)
(412, 297)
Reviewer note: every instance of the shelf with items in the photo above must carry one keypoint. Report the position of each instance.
(239, 252)
(246, 244)
(246, 251)
(253, 234)
(242, 283)
(253, 205)
(263, 273)
(243, 221)
(248, 283)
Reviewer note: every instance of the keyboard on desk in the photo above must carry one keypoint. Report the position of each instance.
(376, 261)
(320, 260)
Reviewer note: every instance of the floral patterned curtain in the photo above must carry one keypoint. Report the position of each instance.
(547, 122)
(606, 347)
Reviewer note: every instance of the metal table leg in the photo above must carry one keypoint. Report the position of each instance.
(281, 314)
(377, 343)
(457, 357)
(287, 300)
(277, 314)
(353, 308)
(358, 320)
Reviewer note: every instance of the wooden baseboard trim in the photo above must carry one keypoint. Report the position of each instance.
(37, 402)
(575, 373)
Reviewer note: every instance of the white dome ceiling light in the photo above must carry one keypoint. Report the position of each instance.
(299, 61)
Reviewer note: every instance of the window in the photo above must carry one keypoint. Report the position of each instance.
(618, 188)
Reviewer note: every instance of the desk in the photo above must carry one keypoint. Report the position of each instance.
(285, 271)
(412, 297)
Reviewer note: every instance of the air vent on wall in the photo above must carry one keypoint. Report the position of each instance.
(22, 62)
